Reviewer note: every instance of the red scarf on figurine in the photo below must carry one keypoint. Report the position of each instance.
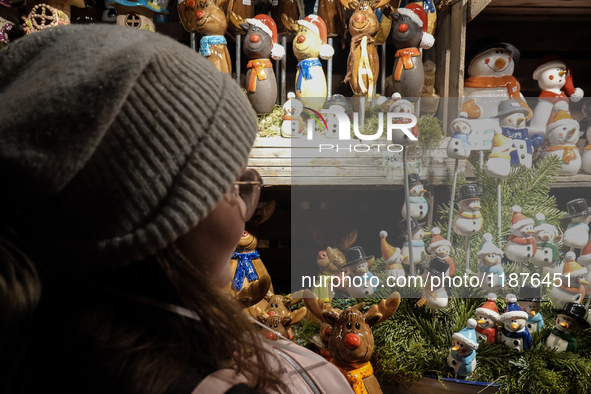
(489, 333)
(506, 81)
(405, 56)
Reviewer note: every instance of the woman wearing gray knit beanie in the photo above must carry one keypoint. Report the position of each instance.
(119, 153)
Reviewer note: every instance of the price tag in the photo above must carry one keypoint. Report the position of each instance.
(483, 131)
(275, 3)
(246, 2)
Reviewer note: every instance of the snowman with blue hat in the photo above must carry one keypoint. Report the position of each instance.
(462, 356)
(514, 333)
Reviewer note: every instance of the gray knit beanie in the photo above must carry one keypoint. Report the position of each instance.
(114, 142)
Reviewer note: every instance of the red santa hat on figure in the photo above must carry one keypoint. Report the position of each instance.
(585, 257)
(418, 15)
(519, 219)
(437, 240)
(267, 24)
(489, 309)
(317, 25)
(553, 61)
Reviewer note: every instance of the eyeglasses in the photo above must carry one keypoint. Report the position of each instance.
(248, 187)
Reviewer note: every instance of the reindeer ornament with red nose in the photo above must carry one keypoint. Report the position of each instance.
(363, 65)
(208, 19)
(409, 32)
(351, 341)
(260, 44)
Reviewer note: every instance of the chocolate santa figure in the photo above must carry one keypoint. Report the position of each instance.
(491, 79)
(441, 247)
(576, 234)
(572, 282)
(514, 334)
(563, 134)
(434, 292)
(512, 118)
(521, 245)
(545, 234)
(469, 219)
(554, 76)
(487, 317)
(462, 356)
(392, 257)
(490, 269)
(529, 301)
(418, 204)
(569, 319)
(415, 241)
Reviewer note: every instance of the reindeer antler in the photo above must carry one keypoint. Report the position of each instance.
(379, 3)
(318, 308)
(252, 294)
(288, 22)
(236, 20)
(386, 308)
(348, 240)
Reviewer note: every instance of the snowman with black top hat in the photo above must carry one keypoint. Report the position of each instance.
(358, 264)
(434, 292)
(530, 299)
(469, 219)
(576, 235)
(569, 320)
(414, 241)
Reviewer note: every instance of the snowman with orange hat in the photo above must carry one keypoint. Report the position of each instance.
(441, 248)
(309, 44)
(521, 245)
(572, 282)
(554, 76)
(499, 160)
(563, 134)
(487, 317)
(490, 269)
(392, 258)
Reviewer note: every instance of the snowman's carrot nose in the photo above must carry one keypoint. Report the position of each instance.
(500, 63)
(455, 348)
(533, 313)
(514, 326)
(481, 321)
(561, 73)
(571, 132)
(563, 324)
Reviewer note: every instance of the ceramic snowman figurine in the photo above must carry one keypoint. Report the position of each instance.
(514, 333)
(469, 219)
(491, 80)
(585, 127)
(572, 288)
(521, 245)
(416, 239)
(392, 258)
(434, 292)
(512, 118)
(358, 264)
(490, 270)
(400, 105)
(576, 235)
(293, 123)
(554, 76)
(418, 204)
(563, 134)
(547, 253)
(569, 319)
(459, 145)
(337, 104)
(441, 247)
(462, 356)
(487, 317)
(529, 301)
(499, 160)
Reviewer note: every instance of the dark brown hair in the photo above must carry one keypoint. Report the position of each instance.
(70, 334)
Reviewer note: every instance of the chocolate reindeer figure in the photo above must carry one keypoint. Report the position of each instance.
(332, 13)
(246, 263)
(409, 32)
(351, 340)
(292, 9)
(281, 325)
(260, 44)
(278, 309)
(363, 65)
(242, 9)
(208, 19)
(253, 294)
